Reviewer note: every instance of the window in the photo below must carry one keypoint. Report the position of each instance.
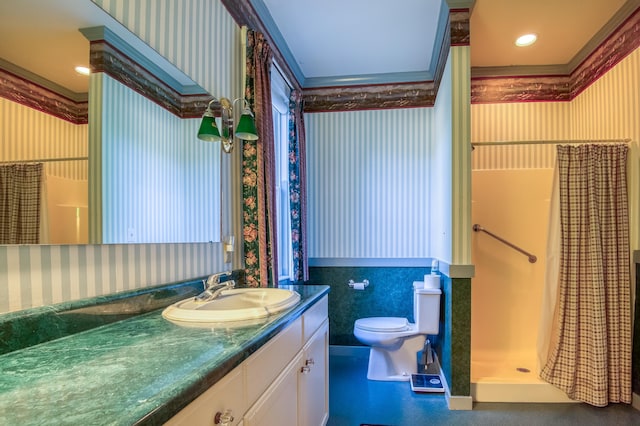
(280, 99)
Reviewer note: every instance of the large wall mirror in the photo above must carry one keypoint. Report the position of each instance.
(120, 166)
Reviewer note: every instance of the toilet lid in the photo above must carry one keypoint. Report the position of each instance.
(389, 324)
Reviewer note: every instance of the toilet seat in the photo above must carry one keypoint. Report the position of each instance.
(383, 324)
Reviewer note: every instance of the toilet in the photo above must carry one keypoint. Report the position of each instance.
(395, 341)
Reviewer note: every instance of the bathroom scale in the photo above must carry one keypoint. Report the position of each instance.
(426, 383)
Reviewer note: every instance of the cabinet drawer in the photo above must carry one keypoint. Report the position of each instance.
(264, 366)
(314, 317)
(227, 394)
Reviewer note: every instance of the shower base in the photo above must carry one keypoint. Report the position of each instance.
(516, 380)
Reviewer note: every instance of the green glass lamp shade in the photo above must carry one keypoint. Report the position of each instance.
(246, 128)
(208, 130)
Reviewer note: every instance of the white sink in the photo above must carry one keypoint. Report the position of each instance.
(238, 304)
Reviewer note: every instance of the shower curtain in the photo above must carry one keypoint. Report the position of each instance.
(20, 203)
(589, 354)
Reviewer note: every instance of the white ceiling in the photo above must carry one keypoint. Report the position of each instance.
(330, 38)
(334, 38)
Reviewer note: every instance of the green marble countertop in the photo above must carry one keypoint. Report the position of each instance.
(140, 370)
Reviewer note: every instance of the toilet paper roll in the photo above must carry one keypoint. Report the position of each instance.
(358, 286)
(432, 281)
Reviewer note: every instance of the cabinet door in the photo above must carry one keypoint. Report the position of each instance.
(264, 365)
(313, 402)
(278, 406)
(225, 397)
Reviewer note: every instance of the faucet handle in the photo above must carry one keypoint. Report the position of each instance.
(215, 278)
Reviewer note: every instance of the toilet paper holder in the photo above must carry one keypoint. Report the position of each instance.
(364, 283)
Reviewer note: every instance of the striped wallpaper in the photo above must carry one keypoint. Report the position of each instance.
(42, 275)
(368, 183)
(439, 164)
(385, 183)
(461, 156)
(197, 36)
(31, 275)
(608, 109)
(514, 122)
(163, 183)
(27, 134)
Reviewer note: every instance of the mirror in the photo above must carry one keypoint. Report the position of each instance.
(149, 179)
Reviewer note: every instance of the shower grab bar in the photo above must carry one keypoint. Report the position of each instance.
(532, 258)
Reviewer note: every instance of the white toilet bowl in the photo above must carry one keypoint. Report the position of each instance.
(395, 341)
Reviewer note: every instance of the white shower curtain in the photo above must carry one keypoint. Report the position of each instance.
(550, 290)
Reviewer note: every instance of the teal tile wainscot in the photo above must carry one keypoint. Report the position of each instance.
(390, 294)
(138, 370)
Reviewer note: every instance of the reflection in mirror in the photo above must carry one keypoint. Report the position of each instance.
(147, 178)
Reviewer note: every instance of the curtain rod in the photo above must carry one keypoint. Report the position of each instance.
(45, 160)
(552, 142)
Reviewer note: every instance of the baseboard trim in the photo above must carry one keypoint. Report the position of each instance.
(635, 401)
(459, 402)
(454, 402)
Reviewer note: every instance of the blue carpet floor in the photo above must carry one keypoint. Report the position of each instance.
(354, 400)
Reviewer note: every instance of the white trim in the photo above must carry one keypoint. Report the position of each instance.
(459, 402)
(453, 402)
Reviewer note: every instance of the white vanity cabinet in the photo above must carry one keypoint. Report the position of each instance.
(277, 406)
(227, 397)
(313, 390)
(285, 382)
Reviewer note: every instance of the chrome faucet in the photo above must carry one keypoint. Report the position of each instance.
(213, 287)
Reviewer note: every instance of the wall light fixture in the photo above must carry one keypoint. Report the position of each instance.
(246, 128)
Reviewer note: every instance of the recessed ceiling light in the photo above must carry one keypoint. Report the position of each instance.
(526, 40)
(82, 70)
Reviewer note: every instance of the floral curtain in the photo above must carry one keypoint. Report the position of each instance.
(20, 203)
(258, 171)
(298, 187)
(590, 350)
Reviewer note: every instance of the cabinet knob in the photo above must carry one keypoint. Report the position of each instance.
(310, 361)
(223, 419)
(305, 369)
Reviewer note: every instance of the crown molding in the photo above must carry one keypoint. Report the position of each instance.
(244, 14)
(367, 80)
(103, 57)
(30, 90)
(43, 82)
(142, 54)
(626, 12)
(555, 83)
(519, 70)
(278, 40)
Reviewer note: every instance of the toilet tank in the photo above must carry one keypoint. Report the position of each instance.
(426, 308)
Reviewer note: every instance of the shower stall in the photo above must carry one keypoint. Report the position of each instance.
(511, 206)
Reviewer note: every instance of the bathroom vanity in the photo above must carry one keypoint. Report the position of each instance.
(284, 382)
(147, 370)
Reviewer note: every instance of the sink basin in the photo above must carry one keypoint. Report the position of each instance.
(238, 304)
